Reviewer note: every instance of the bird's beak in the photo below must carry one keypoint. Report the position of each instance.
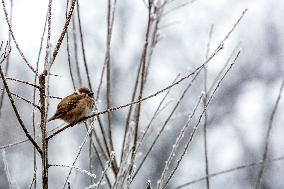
(91, 94)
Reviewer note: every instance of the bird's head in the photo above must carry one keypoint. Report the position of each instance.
(85, 91)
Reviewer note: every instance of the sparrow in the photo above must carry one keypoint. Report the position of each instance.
(75, 106)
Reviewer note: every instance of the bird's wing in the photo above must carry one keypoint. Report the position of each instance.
(68, 103)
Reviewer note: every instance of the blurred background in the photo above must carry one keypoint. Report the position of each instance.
(238, 116)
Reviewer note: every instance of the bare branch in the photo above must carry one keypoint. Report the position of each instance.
(199, 120)
(22, 81)
(68, 51)
(22, 98)
(17, 113)
(74, 167)
(217, 50)
(6, 168)
(205, 114)
(110, 21)
(59, 42)
(177, 142)
(14, 39)
(230, 170)
(83, 47)
(267, 136)
(78, 154)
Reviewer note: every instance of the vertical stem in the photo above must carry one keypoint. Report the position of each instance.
(205, 113)
(68, 50)
(34, 98)
(267, 137)
(8, 57)
(83, 47)
(110, 19)
(76, 52)
(130, 111)
(43, 131)
(142, 79)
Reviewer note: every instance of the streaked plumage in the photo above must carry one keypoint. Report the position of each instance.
(75, 106)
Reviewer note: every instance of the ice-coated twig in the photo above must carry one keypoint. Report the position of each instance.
(68, 50)
(22, 98)
(141, 138)
(22, 81)
(83, 47)
(229, 59)
(17, 113)
(6, 168)
(25, 140)
(33, 180)
(267, 136)
(76, 168)
(229, 171)
(199, 120)
(60, 40)
(217, 50)
(78, 154)
(177, 142)
(205, 113)
(14, 39)
(108, 165)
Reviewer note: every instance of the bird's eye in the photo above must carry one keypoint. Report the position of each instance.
(91, 94)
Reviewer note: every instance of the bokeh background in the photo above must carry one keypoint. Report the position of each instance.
(237, 118)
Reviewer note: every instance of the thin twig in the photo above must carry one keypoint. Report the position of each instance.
(34, 99)
(177, 142)
(55, 97)
(6, 168)
(68, 50)
(14, 39)
(166, 122)
(97, 153)
(142, 79)
(237, 47)
(112, 157)
(217, 50)
(78, 154)
(10, 37)
(78, 70)
(83, 47)
(205, 113)
(18, 115)
(4, 56)
(22, 81)
(8, 56)
(154, 116)
(230, 170)
(25, 140)
(59, 41)
(98, 118)
(110, 20)
(33, 183)
(126, 127)
(69, 60)
(76, 168)
(48, 45)
(267, 136)
(22, 98)
(199, 120)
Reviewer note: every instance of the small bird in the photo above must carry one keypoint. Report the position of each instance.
(75, 106)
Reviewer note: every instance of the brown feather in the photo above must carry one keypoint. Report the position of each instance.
(66, 105)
